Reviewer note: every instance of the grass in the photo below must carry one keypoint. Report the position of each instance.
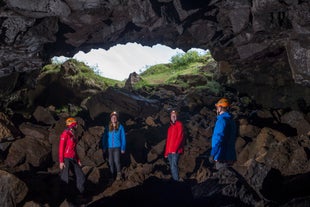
(183, 70)
(84, 75)
(176, 72)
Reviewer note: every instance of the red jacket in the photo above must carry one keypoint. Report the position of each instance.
(67, 146)
(175, 141)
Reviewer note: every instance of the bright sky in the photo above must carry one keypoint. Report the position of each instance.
(121, 60)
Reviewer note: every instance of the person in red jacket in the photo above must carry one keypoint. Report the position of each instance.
(174, 144)
(68, 157)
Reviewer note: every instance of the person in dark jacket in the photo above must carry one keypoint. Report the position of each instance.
(223, 150)
(68, 157)
(114, 140)
(174, 145)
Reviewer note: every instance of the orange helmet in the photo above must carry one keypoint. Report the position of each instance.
(70, 121)
(114, 113)
(223, 102)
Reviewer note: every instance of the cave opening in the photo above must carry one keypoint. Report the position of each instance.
(122, 59)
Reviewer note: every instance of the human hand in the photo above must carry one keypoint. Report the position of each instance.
(62, 165)
(123, 152)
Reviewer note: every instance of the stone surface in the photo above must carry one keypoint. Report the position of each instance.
(12, 189)
(234, 31)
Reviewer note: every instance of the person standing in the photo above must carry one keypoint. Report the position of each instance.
(174, 144)
(223, 150)
(68, 157)
(114, 140)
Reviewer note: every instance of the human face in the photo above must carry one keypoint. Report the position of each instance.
(113, 119)
(74, 127)
(219, 109)
(173, 117)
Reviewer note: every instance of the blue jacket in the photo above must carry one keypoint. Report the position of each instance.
(224, 138)
(114, 139)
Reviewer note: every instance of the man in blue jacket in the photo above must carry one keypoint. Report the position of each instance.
(223, 150)
(114, 140)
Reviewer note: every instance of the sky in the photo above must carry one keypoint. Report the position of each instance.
(121, 60)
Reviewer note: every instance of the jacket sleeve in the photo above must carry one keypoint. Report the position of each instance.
(123, 138)
(180, 138)
(104, 138)
(217, 138)
(62, 145)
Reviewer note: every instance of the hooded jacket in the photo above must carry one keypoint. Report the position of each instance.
(224, 138)
(175, 140)
(67, 146)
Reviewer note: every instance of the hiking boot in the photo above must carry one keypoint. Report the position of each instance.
(118, 176)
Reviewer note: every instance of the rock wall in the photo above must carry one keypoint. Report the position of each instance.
(236, 32)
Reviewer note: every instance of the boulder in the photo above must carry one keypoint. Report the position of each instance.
(12, 190)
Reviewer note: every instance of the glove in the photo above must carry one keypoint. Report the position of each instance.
(211, 159)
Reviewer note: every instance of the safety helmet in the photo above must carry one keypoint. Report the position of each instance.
(114, 113)
(223, 102)
(70, 121)
(173, 112)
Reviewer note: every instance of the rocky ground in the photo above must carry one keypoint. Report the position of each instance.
(273, 151)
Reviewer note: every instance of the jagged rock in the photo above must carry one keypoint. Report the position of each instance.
(150, 121)
(156, 151)
(21, 153)
(247, 130)
(225, 187)
(132, 80)
(34, 131)
(12, 189)
(7, 129)
(5, 133)
(243, 33)
(43, 115)
(296, 120)
(122, 102)
(92, 146)
(147, 194)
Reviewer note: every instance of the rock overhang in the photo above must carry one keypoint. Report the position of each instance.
(236, 32)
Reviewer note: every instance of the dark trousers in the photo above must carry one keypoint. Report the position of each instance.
(73, 166)
(114, 160)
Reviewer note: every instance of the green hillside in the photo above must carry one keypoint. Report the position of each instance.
(186, 70)
(83, 74)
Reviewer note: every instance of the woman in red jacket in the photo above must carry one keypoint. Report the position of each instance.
(68, 157)
(174, 144)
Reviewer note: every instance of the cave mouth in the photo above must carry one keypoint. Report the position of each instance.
(122, 59)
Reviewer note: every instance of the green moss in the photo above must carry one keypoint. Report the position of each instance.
(51, 68)
(84, 75)
(187, 71)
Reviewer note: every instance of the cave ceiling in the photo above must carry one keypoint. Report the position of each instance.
(237, 33)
